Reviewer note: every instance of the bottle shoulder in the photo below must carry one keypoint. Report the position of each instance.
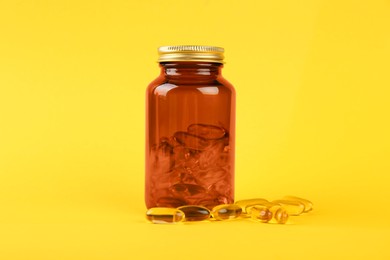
(219, 82)
(162, 86)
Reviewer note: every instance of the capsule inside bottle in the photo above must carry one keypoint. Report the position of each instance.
(161, 215)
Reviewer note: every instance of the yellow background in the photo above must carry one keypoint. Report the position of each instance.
(312, 81)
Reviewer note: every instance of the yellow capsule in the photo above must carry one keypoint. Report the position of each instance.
(308, 204)
(226, 211)
(281, 216)
(261, 213)
(245, 204)
(293, 207)
(160, 215)
(268, 205)
(195, 213)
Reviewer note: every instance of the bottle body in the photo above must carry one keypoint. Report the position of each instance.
(190, 136)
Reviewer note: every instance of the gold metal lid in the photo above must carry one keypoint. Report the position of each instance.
(191, 53)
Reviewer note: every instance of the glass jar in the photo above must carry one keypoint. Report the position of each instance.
(190, 130)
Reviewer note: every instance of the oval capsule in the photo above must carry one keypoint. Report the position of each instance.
(281, 216)
(191, 141)
(261, 213)
(247, 204)
(226, 211)
(206, 131)
(308, 204)
(160, 215)
(170, 202)
(210, 202)
(293, 207)
(195, 212)
(184, 189)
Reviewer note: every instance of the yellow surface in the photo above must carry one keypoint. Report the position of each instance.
(312, 79)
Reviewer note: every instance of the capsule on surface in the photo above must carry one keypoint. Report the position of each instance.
(261, 213)
(226, 211)
(308, 204)
(246, 204)
(160, 215)
(293, 207)
(281, 216)
(195, 213)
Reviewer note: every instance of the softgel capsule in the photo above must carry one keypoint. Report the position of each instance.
(261, 213)
(195, 213)
(259, 210)
(292, 207)
(226, 211)
(160, 215)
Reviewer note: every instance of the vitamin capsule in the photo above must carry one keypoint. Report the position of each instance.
(308, 204)
(213, 175)
(206, 131)
(195, 213)
(184, 189)
(191, 141)
(293, 207)
(170, 202)
(164, 215)
(165, 145)
(211, 201)
(261, 213)
(270, 206)
(211, 155)
(281, 216)
(226, 211)
(245, 204)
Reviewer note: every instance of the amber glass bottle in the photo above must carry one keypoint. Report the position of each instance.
(190, 130)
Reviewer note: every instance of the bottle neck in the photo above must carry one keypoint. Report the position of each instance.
(190, 71)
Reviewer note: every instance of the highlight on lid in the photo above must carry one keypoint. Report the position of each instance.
(188, 53)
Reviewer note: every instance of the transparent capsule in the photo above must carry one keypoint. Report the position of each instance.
(224, 189)
(184, 157)
(191, 141)
(211, 176)
(261, 213)
(162, 159)
(308, 204)
(281, 216)
(211, 155)
(210, 201)
(226, 211)
(293, 207)
(183, 189)
(160, 215)
(180, 176)
(170, 202)
(246, 204)
(195, 213)
(206, 131)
